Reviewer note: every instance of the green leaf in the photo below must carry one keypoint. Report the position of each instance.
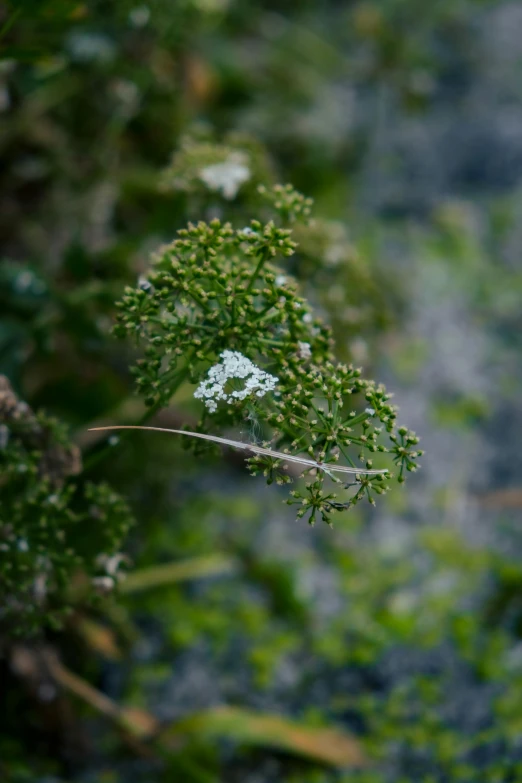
(323, 745)
(180, 571)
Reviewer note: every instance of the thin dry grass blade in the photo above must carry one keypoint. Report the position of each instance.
(139, 723)
(237, 444)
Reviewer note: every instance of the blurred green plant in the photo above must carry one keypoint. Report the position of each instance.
(52, 531)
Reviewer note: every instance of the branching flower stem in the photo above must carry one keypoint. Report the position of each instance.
(262, 261)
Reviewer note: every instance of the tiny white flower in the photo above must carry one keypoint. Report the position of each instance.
(144, 284)
(370, 411)
(234, 366)
(308, 318)
(111, 564)
(103, 583)
(91, 47)
(280, 279)
(127, 92)
(139, 16)
(23, 281)
(304, 350)
(227, 176)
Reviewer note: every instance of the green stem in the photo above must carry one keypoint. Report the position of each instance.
(9, 22)
(265, 314)
(267, 341)
(347, 456)
(260, 264)
(356, 419)
(319, 413)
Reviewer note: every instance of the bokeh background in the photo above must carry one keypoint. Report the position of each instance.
(401, 626)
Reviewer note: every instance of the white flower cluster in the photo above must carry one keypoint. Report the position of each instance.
(111, 565)
(234, 365)
(304, 350)
(227, 176)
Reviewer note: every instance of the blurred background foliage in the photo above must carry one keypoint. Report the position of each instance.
(242, 646)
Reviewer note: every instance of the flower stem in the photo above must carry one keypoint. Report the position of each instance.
(260, 264)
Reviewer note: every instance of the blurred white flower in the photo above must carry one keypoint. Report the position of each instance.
(227, 176)
(111, 563)
(139, 16)
(91, 47)
(128, 94)
(103, 583)
(304, 351)
(145, 284)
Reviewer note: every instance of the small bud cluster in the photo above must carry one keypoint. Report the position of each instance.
(42, 515)
(216, 288)
(320, 413)
(287, 202)
(359, 296)
(217, 293)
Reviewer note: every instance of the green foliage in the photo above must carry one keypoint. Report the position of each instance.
(52, 531)
(271, 640)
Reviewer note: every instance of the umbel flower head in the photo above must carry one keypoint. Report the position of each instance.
(220, 310)
(234, 367)
(216, 288)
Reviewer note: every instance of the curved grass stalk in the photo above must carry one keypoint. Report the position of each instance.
(237, 444)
